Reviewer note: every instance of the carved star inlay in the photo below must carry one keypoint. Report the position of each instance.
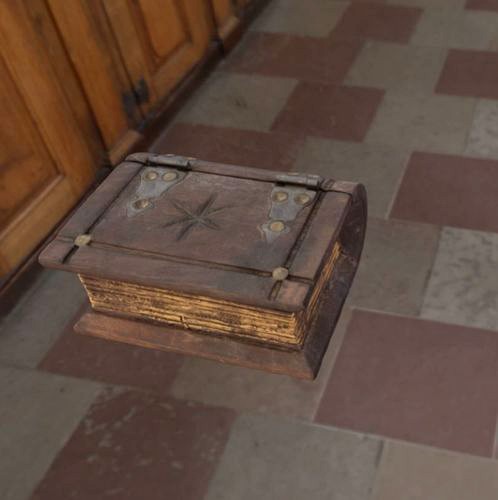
(200, 216)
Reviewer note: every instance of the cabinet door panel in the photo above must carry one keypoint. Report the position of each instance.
(161, 40)
(90, 43)
(45, 165)
(23, 170)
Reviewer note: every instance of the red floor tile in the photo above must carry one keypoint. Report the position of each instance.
(227, 145)
(416, 380)
(482, 5)
(470, 73)
(133, 445)
(390, 23)
(449, 190)
(303, 58)
(334, 112)
(111, 362)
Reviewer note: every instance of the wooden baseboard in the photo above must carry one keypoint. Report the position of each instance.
(234, 30)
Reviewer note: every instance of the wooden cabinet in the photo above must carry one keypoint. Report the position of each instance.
(79, 79)
(227, 15)
(91, 46)
(129, 54)
(161, 41)
(45, 164)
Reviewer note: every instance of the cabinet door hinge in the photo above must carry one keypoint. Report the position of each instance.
(141, 92)
(131, 99)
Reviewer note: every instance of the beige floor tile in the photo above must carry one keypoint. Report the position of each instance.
(435, 123)
(316, 18)
(411, 472)
(38, 413)
(394, 266)
(29, 331)
(379, 167)
(397, 68)
(239, 101)
(494, 43)
(495, 450)
(432, 4)
(463, 286)
(483, 137)
(250, 390)
(464, 29)
(270, 459)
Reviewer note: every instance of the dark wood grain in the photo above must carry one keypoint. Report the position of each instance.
(232, 261)
(320, 235)
(98, 202)
(301, 363)
(217, 282)
(204, 238)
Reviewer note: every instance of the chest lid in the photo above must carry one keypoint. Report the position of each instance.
(246, 235)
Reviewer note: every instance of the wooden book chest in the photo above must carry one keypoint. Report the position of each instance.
(240, 265)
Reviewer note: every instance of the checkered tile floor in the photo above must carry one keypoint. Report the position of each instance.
(401, 95)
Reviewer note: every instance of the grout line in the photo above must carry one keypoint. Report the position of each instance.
(470, 127)
(387, 215)
(381, 458)
(429, 273)
(495, 443)
(347, 313)
(389, 441)
(421, 318)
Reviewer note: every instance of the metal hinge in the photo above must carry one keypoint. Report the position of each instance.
(310, 180)
(170, 160)
(134, 97)
(141, 91)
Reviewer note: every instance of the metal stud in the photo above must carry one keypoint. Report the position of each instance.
(141, 204)
(280, 273)
(170, 176)
(82, 240)
(280, 196)
(151, 175)
(277, 226)
(302, 199)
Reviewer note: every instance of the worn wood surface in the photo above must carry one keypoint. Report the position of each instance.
(231, 16)
(52, 41)
(210, 281)
(230, 223)
(226, 17)
(157, 56)
(152, 249)
(46, 164)
(91, 46)
(216, 278)
(302, 363)
(195, 312)
(71, 81)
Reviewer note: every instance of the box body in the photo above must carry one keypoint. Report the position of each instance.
(239, 258)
